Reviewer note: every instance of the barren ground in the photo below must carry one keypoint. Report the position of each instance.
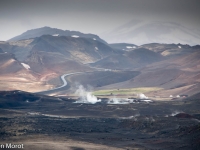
(58, 123)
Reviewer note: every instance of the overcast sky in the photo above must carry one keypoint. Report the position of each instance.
(92, 16)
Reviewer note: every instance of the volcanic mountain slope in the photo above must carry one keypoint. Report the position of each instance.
(55, 32)
(116, 61)
(123, 46)
(48, 56)
(190, 62)
(176, 75)
(38, 64)
(84, 50)
(51, 62)
(136, 58)
(142, 55)
(9, 64)
(171, 50)
(50, 52)
(16, 75)
(20, 49)
(180, 75)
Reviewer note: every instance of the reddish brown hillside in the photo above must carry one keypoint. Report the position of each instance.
(8, 64)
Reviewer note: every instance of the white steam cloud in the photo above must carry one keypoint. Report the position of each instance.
(128, 101)
(119, 101)
(86, 97)
(142, 96)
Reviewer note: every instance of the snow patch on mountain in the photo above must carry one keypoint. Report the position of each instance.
(75, 36)
(26, 66)
(130, 47)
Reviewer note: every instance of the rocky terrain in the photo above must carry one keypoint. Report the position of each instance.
(39, 121)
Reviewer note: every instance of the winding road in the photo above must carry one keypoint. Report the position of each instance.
(63, 80)
(68, 74)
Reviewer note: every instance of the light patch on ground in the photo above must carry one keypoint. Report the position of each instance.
(94, 39)
(26, 66)
(130, 47)
(75, 36)
(165, 53)
(14, 83)
(55, 35)
(96, 48)
(8, 63)
(147, 100)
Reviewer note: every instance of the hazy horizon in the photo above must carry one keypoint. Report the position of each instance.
(109, 19)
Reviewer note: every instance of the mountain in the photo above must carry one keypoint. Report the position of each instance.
(176, 75)
(54, 32)
(9, 64)
(141, 32)
(190, 61)
(171, 50)
(37, 72)
(50, 62)
(84, 50)
(131, 59)
(17, 75)
(144, 56)
(47, 57)
(35, 64)
(123, 46)
(116, 61)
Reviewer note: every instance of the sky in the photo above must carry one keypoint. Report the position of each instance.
(92, 16)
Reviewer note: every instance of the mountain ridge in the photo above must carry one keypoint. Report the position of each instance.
(55, 32)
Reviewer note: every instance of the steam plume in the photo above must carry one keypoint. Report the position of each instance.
(86, 97)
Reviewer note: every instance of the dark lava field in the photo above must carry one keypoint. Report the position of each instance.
(156, 125)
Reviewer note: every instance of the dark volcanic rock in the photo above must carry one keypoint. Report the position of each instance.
(183, 115)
